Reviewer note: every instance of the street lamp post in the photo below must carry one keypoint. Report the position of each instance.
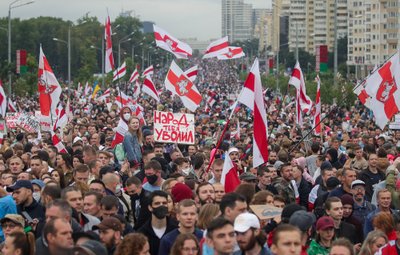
(12, 6)
(133, 51)
(335, 53)
(277, 66)
(102, 61)
(123, 39)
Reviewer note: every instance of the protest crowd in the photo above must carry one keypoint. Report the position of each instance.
(74, 191)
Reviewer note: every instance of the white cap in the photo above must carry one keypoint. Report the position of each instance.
(76, 139)
(233, 149)
(245, 221)
(357, 182)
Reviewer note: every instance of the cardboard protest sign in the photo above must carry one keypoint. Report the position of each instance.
(174, 127)
(265, 212)
(11, 119)
(28, 122)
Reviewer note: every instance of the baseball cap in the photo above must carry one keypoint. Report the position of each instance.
(247, 177)
(109, 223)
(20, 184)
(94, 247)
(245, 221)
(357, 182)
(233, 149)
(325, 222)
(16, 218)
(38, 182)
(302, 219)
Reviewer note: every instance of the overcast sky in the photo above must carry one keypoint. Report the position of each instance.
(182, 18)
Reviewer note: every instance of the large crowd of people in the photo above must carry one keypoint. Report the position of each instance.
(335, 193)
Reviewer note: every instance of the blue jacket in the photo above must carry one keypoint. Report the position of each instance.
(132, 147)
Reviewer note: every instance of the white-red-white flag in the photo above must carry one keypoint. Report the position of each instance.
(62, 118)
(179, 84)
(136, 90)
(87, 89)
(232, 53)
(148, 71)
(297, 80)
(317, 114)
(217, 48)
(149, 88)
(252, 97)
(3, 101)
(138, 111)
(11, 106)
(134, 76)
(58, 143)
(166, 41)
(79, 90)
(120, 72)
(109, 65)
(120, 132)
(383, 90)
(105, 97)
(122, 99)
(362, 95)
(229, 176)
(49, 90)
(191, 73)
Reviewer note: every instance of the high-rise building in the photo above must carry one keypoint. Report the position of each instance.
(312, 23)
(373, 33)
(237, 17)
(263, 27)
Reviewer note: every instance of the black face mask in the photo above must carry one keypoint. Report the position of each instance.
(152, 178)
(160, 212)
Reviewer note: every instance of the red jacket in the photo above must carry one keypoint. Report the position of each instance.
(388, 249)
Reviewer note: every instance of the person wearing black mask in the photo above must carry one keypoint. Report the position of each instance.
(139, 201)
(152, 171)
(159, 224)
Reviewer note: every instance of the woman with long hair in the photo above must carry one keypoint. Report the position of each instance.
(58, 176)
(64, 162)
(374, 241)
(185, 244)
(384, 222)
(133, 244)
(19, 243)
(133, 141)
(207, 213)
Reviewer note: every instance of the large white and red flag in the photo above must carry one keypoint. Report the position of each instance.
(138, 111)
(229, 176)
(109, 65)
(166, 41)
(179, 84)
(382, 88)
(252, 97)
(317, 114)
(216, 48)
(149, 88)
(297, 80)
(148, 71)
(3, 101)
(232, 53)
(191, 73)
(120, 72)
(49, 90)
(134, 76)
(58, 143)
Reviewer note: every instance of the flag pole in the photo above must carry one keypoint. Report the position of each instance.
(218, 143)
